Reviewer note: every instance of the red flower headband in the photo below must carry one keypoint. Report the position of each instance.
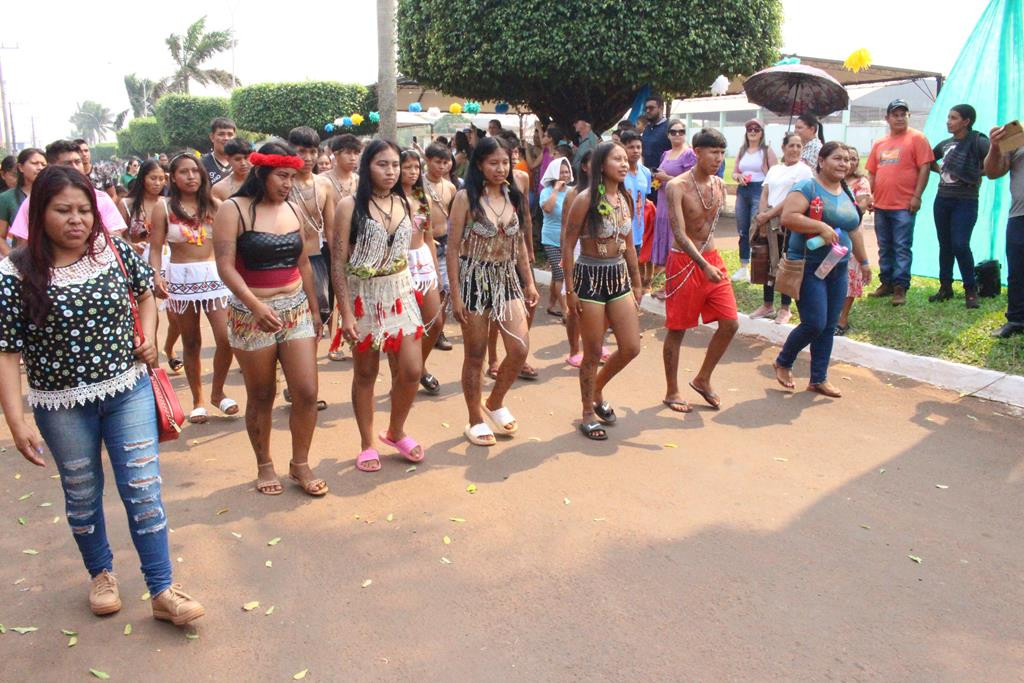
(276, 160)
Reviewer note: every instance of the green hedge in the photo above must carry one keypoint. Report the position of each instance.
(104, 151)
(276, 108)
(141, 138)
(185, 120)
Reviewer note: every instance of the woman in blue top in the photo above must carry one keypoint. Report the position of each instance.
(555, 185)
(821, 299)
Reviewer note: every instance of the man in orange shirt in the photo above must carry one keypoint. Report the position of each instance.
(898, 168)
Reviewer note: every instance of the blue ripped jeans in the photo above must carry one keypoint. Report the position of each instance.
(126, 423)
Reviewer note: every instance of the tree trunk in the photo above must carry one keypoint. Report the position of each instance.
(387, 78)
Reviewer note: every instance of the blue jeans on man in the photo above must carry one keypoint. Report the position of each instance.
(954, 222)
(1015, 270)
(747, 198)
(126, 424)
(821, 301)
(894, 230)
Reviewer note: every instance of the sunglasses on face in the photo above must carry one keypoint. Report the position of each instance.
(753, 129)
(677, 131)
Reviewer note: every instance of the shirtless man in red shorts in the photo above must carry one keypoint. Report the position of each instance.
(698, 284)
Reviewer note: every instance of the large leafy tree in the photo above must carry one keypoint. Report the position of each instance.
(190, 51)
(573, 58)
(92, 121)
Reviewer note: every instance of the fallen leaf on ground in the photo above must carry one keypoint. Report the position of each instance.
(68, 632)
(21, 580)
(915, 558)
(16, 476)
(26, 496)
(45, 505)
(72, 641)
(445, 560)
(445, 425)
(534, 438)
(599, 519)
(102, 675)
(22, 521)
(56, 519)
(410, 469)
(222, 511)
(447, 540)
(195, 442)
(471, 488)
(145, 596)
(270, 610)
(846, 378)
(2, 629)
(24, 629)
(236, 534)
(941, 486)
(192, 636)
(268, 563)
(566, 501)
(971, 417)
(30, 551)
(457, 520)
(781, 459)
(367, 583)
(390, 517)
(250, 606)
(127, 629)
(300, 675)
(180, 559)
(864, 526)
(881, 471)
(54, 476)
(670, 445)
(274, 541)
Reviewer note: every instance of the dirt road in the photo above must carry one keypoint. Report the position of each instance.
(770, 540)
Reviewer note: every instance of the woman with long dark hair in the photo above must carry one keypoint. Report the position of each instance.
(273, 316)
(752, 163)
(29, 163)
(821, 298)
(603, 285)
(8, 173)
(137, 209)
(379, 311)
(423, 260)
(486, 247)
(64, 309)
(810, 130)
(184, 220)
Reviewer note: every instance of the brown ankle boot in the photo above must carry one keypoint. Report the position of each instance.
(103, 594)
(899, 295)
(971, 296)
(176, 607)
(884, 289)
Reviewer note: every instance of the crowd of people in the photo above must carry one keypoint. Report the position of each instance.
(373, 247)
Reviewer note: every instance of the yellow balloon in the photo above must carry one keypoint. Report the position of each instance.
(356, 119)
(859, 59)
(456, 108)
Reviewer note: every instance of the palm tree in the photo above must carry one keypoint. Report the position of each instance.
(92, 121)
(143, 94)
(189, 53)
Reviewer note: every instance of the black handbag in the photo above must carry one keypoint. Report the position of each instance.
(989, 277)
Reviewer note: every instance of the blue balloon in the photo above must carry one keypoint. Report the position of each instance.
(347, 121)
(329, 128)
(415, 107)
(501, 108)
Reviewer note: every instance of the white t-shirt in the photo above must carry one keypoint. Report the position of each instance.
(752, 163)
(781, 179)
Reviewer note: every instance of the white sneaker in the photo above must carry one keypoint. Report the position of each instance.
(741, 275)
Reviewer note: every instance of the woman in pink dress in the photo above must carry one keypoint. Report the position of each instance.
(679, 159)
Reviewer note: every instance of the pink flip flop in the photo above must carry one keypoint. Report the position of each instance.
(606, 353)
(369, 455)
(574, 360)
(406, 445)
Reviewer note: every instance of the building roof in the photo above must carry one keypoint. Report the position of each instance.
(834, 68)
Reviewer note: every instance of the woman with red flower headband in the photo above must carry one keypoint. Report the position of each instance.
(273, 316)
(184, 220)
(379, 311)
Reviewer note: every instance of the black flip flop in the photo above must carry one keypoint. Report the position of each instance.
(175, 364)
(320, 405)
(593, 430)
(557, 314)
(605, 412)
(430, 384)
(710, 397)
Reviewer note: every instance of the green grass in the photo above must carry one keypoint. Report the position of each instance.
(947, 330)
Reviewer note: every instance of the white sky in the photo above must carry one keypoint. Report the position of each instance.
(73, 51)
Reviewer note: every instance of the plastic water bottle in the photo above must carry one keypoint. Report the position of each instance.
(816, 212)
(834, 256)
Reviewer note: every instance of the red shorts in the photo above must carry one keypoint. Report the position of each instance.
(698, 298)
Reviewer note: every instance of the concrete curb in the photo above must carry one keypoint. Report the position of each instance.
(965, 379)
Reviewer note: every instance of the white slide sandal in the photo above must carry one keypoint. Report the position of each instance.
(478, 433)
(500, 418)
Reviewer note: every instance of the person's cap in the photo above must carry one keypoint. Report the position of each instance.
(896, 104)
(754, 122)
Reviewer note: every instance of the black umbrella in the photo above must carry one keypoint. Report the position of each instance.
(796, 89)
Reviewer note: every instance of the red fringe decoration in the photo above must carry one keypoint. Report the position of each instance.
(398, 306)
(419, 332)
(419, 297)
(359, 307)
(365, 345)
(336, 342)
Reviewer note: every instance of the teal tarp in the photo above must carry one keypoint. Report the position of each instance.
(989, 75)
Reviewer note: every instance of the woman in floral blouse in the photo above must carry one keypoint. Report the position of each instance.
(64, 308)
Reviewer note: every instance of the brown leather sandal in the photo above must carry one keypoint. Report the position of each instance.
(825, 389)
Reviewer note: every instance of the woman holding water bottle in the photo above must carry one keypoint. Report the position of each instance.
(824, 221)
